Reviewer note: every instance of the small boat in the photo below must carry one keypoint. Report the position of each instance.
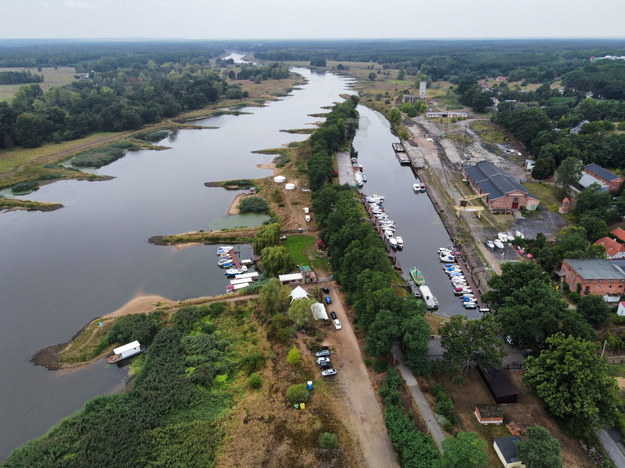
(447, 250)
(446, 258)
(416, 188)
(364, 178)
(224, 261)
(490, 244)
(226, 265)
(393, 242)
(519, 234)
(417, 276)
(422, 188)
(247, 261)
(498, 244)
(236, 271)
(510, 236)
(469, 305)
(400, 242)
(389, 234)
(224, 249)
(502, 236)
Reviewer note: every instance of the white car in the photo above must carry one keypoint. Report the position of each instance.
(307, 218)
(337, 324)
(306, 210)
(328, 372)
(323, 360)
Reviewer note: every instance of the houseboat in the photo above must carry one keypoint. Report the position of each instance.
(126, 351)
(430, 301)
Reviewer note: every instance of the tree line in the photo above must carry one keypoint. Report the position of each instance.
(19, 77)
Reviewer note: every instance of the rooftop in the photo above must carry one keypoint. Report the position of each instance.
(600, 171)
(612, 247)
(619, 233)
(493, 180)
(508, 448)
(596, 269)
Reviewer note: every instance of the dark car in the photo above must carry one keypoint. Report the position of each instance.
(333, 315)
(325, 290)
(328, 300)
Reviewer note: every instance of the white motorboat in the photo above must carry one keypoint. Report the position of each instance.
(389, 234)
(490, 244)
(393, 242)
(502, 236)
(519, 234)
(236, 271)
(446, 258)
(416, 188)
(498, 244)
(400, 242)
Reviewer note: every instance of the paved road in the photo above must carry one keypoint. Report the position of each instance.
(427, 414)
(612, 448)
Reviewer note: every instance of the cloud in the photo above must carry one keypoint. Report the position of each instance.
(78, 4)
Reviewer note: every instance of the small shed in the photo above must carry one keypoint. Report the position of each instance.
(489, 414)
(507, 451)
(291, 278)
(499, 385)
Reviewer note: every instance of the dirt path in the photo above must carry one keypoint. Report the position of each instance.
(366, 419)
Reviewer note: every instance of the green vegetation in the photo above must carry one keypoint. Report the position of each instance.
(98, 157)
(171, 409)
(573, 382)
(294, 357)
(415, 449)
(541, 450)
(156, 136)
(19, 77)
(298, 245)
(546, 193)
(444, 406)
(276, 260)
(328, 441)
(297, 393)
(464, 450)
(253, 205)
(266, 236)
(24, 187)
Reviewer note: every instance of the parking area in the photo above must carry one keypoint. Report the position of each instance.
(345, 170)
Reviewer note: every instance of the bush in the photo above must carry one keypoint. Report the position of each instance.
(253, 362)
(328, 440)
(255, 381)
(156, 136)
(297, 393)
(99, 157)
(253, 205)
(24, 187)
(294, 357)
(140, 327)
(379, 365)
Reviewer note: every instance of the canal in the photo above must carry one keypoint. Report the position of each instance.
(61, 269)
(416, 219)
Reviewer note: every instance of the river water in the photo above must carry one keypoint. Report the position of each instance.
(416, 219)
(60, 269)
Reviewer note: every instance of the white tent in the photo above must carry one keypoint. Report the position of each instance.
(279, 179)
(298, 293)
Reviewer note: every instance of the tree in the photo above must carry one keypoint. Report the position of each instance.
(372, 76)
(274, 297)
(382, 333)
(573, 383)
(464, 450)
(544, 168)
(276, 260)
(467, 340)
(514, 275)
(568, 174)
(415, 336)
(267, 236)
(294, 357)
(300, 311)
(593, 309)
(541, 450)
(297, 393)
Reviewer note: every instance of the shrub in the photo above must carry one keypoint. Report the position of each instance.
(253, 362)
(156, 136)
(294, 357)
(379, 365)
(255, 381)
(328, 440)
(23, 187)
(253, 205)
(140, 327)
(297, 393)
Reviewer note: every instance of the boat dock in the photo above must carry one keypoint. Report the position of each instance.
(235, 259)
(400, 153)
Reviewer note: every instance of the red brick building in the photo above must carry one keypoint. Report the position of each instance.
(597, 277)
(602, 176)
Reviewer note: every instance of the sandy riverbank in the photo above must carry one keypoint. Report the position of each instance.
(50, 357)
(233, 209)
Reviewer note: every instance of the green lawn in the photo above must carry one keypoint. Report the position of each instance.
(546, 193)
(298, 245)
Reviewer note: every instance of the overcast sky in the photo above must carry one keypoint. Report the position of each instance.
(271, 19)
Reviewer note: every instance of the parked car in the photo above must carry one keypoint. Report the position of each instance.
(337, 324)
(328, 300)
(333, 315)
(325, 290)
(323, 353)
(325, 365)
(323, 360)
(328, 372)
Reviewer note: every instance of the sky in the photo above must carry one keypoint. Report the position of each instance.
(311, 19)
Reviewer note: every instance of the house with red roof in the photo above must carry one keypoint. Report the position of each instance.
(613, 249)
(619, 233)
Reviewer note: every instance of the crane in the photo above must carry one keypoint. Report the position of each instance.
(463, 205)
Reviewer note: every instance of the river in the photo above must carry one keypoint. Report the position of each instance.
(60, 269)
(416, 219)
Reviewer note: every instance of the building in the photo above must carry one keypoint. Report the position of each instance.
(504, 193)
(489, 414)
(613, 249)
(595, 174)
(446, 114)
(499, 385)
(593, 276)
(319, 311)
(507, 451)
(619, 233)
(422, 90)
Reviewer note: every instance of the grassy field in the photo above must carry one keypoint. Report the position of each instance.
(546, 193)
(51, 77)
(299, 246)
(488, 131)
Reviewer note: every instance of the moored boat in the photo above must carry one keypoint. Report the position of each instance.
(126, 351)
(417, 276)
(400, 242)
